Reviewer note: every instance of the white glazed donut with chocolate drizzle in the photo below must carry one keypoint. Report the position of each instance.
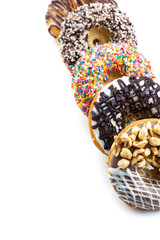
(59, 9)
(118, 104)
(93, 24)
(134, 164)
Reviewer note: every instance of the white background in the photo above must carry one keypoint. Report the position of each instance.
(53, 181)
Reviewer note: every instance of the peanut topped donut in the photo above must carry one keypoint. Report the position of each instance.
(134, 164)
(102, 64)
(93, 24)
(137, 97)
(59, 9)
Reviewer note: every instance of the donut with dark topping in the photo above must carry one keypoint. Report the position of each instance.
(93, 24)
(59, 9)
(118, 104)
(102, 64)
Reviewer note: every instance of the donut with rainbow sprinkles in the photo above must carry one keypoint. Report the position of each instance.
(102, 64)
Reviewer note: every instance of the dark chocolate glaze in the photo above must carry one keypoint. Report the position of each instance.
(75, 31)
(56, 19)
(120, 102)
(80, 2)
(59, 9)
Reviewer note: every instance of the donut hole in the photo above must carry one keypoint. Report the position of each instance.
(98, 36)
(114, 75)
(96, 41)
(132, 117)
(122, 103)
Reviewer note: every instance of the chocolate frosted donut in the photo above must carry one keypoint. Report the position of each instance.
(93, 24)
(119, 103)
(59, 9)
(134, 164)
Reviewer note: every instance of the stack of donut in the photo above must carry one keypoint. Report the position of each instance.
(114, 86)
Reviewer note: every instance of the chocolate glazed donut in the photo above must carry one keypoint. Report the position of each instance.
(134, 164)
(108, 114)
(59, 9)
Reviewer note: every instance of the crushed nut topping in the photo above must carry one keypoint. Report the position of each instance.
(135, 130)
(155, 142)
(137, 152)
(123, 163)
(116, 150)
(154, 150)
(148, 125)
(137, 159)
(147, 152)
(143, 133)
(133, 138)
(140, 144)
(141, 164)
(156, 163)
(140, 148)
(156, 128)
(126, 153)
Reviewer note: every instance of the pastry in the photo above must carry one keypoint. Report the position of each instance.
(134, 164)
(59, 9)
(102, 64)
(90, 25)
(118, 104)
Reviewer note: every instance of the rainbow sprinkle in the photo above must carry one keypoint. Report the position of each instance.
(130, 118)
(91, 70)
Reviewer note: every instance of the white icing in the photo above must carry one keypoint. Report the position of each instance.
(149, 167)
(107, 91)
(131, 185)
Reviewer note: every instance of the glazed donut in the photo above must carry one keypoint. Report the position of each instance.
(102, 64)
(134, 164)
(90, 25)
(59, 9)
(130, 96)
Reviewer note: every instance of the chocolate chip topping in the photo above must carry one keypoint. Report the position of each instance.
(110, 113)
(75, 29)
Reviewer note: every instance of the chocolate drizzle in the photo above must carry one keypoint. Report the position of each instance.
(109, 117)
(59, 9)
(132, 184)
(74, 34)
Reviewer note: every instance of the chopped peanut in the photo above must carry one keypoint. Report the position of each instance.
(123, 163)
(126, 153)
(143, 133)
